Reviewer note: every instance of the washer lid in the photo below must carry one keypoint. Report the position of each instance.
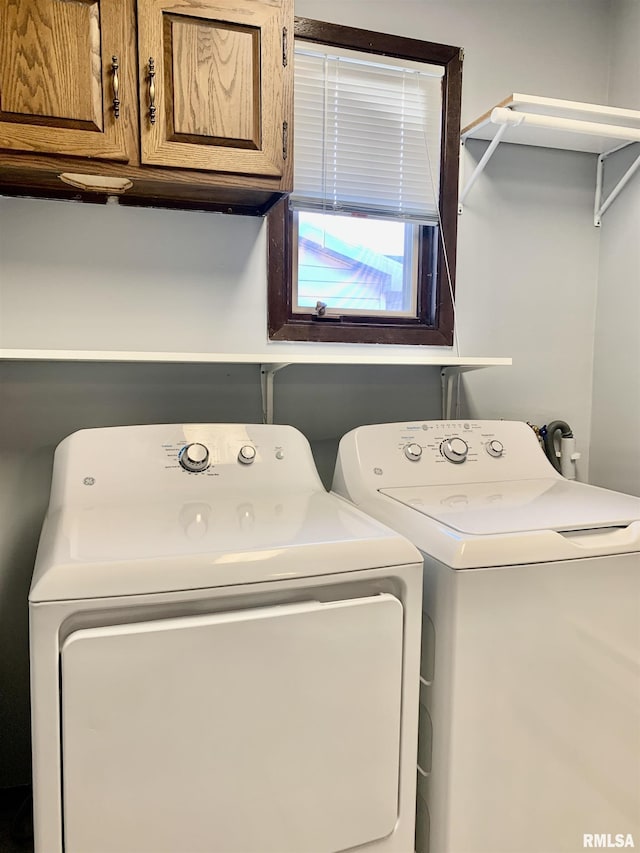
(138, 548)
(489, 509)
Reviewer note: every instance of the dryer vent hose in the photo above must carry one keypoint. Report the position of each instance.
(549, 441)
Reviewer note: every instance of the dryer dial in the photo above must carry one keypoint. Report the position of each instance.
(194, 457)
(454, 449)
(247, 454)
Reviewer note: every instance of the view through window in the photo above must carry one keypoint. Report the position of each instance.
(356, 264)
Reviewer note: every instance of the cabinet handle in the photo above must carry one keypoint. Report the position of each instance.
(115, 65)
(152, 90)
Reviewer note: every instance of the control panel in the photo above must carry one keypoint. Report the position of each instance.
(442, 452)
(454, 448)
(195, 457)
(454, 443)
(158, 462)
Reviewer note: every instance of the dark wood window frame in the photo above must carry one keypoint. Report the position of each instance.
(433, 325)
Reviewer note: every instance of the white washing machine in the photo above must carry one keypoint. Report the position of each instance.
(530, 681)
(224, 657)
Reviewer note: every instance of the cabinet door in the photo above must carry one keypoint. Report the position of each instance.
(57, 77)
(215, 89)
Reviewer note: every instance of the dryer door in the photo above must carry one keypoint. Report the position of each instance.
(273, 729)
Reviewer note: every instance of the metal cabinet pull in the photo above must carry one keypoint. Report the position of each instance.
(152, 90)
(115, 65)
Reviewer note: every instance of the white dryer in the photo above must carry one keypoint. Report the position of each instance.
(224, 657)
(530, 697)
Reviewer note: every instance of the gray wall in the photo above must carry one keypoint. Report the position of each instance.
(529, 262)
(76, 276)
(615, 437)
(42, 402)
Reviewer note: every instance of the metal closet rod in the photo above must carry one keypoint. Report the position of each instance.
(506, 116)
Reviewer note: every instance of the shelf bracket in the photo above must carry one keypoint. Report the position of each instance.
(601, 206)
(450, 385)
(267, 373)
(450, 397)
(479, 169)
(449, 380)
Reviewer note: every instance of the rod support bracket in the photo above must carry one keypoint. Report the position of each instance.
(601, 206)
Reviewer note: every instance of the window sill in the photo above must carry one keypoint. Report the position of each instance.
(364, 332)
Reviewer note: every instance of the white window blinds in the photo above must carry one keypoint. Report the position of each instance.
(368, 133)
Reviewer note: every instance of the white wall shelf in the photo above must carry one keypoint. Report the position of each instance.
(553, 123)
(279, 357)
(450, 366)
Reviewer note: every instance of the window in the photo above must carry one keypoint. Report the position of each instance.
(364, 249)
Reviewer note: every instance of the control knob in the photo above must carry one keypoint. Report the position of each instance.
(413, 452)
(454, 449)
(194, 457)
(495, 448)
(247, 454)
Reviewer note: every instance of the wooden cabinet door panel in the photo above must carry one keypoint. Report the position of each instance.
(222, 92)
(227, 110)
(57, 78)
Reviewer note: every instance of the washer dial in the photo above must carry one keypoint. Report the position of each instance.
(247, 454)
(194, 457)
(495, 448)
(454, 449)
(413, 452)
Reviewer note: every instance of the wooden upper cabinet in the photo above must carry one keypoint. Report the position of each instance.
(57, 77)
(205, 92)
(215, 84)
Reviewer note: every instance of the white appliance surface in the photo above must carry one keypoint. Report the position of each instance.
(520, 506)
(485, 510)
(123, 512)
(530, 690)
(332, 669)
(224, 658)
